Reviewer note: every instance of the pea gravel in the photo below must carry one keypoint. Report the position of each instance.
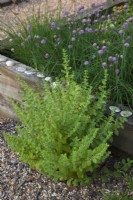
(19, 182)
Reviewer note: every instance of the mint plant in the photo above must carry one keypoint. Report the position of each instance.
(65, 131)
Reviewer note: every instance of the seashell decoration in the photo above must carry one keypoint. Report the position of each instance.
(114, 108)
(21, 69)
(30, 72)
(10, 63)
(126, 113)
(40, 75)
(3, 59)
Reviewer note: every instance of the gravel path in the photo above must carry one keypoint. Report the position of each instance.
(19, 182)
(9, 14)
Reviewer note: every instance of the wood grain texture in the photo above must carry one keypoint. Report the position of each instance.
(10, 87)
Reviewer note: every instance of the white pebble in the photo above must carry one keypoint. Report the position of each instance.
(10, 63)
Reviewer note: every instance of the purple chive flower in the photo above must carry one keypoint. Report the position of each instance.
(19, 34)
(101, 52)
(81, 31)
(125, 25)
(121, 56)
(110, 58)
(84, 20)
(103, 17)
(130, 19)
(74, 32)
(53, 25)
(80, 7)
(116, 62)
(125, 6)
(58, 28)
(101, 5)
(126, 44)
(94, 56)
(73, 39)
(93, 5)
(103, 30)
(104, 64)
(95, 21)
(104, 48)
(22, 44)
(117, 71)
(118, 12)
(129, 38)
(43, 41)
(29, 27)
(98, 15)
(94, 45)
(46, 56)
(82, 10)
(55, 37)
(29, 37)
(66, 13)
(96, 30)
(70, 46)
(69, 19)
(88, 21)
(95, 12)
(86, 62)
(86, 15)
(89, 30)
(121, 32)
(114, 59)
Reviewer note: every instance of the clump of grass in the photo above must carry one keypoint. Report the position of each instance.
(92, 44)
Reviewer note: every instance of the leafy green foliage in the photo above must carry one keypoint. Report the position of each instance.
(65, 130)
(115, 196)
(121, 170)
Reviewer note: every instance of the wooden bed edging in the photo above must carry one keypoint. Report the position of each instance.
(10, 87)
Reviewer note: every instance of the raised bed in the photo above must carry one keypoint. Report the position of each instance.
(124, 141)
(9, 86)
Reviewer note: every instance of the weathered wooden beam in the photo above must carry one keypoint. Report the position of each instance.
(10, 86)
